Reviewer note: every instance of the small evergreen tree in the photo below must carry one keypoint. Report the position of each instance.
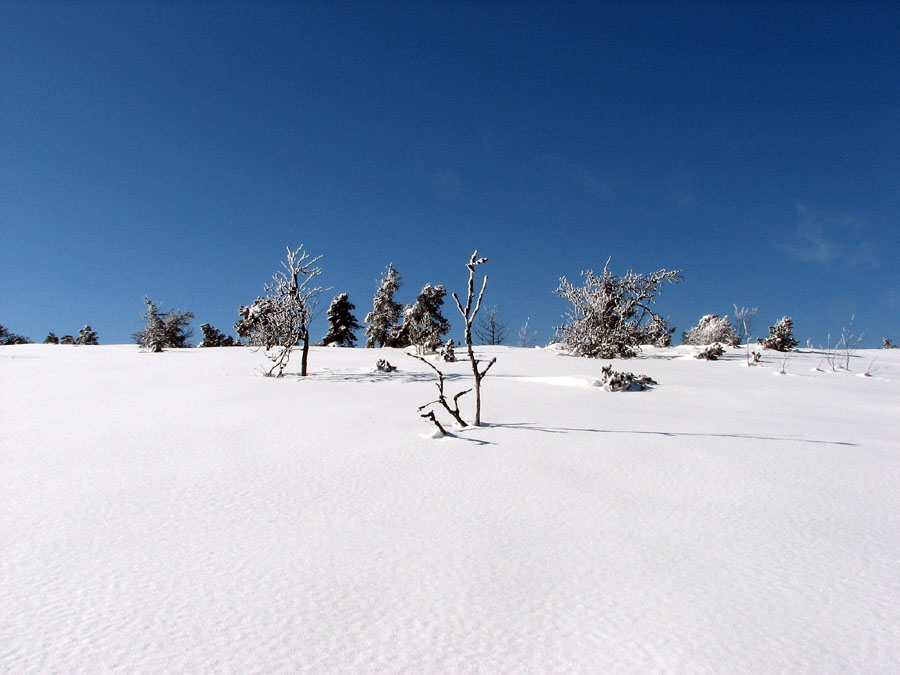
(163, 331)
(781, 336)
(341, 323)
(8, 338)
(447, 352)
(86, 336)
(212, 337)
(67, 340)
(384, 319)
(423, 324)
(51, 339)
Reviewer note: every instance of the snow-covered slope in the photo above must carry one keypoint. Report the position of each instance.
(180, 513)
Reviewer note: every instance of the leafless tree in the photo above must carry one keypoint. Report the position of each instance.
(442, 399)
(527, 337)
(280, 321)
(490, 329)
(469, 313)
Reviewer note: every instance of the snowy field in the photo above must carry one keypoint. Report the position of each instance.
(179, 513)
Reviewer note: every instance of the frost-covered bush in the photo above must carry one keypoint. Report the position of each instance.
(711, 353)
(213, 337)
(614, 380)
(341, 323)
(86, 336)
(163, 330)
(611, 316)
(423, 324)
(781, 337)
(383, 322)
(711, 328)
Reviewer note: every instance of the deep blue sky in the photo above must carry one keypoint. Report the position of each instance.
(174, 149)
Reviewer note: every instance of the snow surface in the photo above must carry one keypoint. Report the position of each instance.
(179, 513)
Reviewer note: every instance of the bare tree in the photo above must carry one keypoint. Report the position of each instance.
(469, 314)
(527, 337)
(490, 329)
(744, 318)
(442, 399)
(280, 321)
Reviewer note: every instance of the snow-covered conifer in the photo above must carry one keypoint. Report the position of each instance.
(163, 331)
(213, 337)
(711, 328)
(51, 339)
(447, 353)
(341, 323)
(423, 324)
(86, 336)
(781, 336)
(67, 340)
(384, 319)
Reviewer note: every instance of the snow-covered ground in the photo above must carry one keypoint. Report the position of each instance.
(179, 513)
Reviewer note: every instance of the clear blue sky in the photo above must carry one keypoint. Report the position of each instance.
(174, 149)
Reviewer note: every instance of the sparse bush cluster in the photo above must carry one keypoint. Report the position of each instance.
(9, 338)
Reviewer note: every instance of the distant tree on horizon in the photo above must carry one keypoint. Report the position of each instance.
(490, 328)
(383, 322)
(87, 336)
(213, 337)
(9, 338)
(51, 339)
(341, 322)
(163, 330)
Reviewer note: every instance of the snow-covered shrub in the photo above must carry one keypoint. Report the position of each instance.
(446, 352)
(886, 344)
(711, 328)
(279, 321)
(611, 316)
(213, 337)
(86, 336)
(384, 366)
(8, 338)
(711, 353)
(51, 339)
(67, 340)
(384, 319)
(423, 324)
(781, 336)
(163, 330)
(341, 323)
(614, 380)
